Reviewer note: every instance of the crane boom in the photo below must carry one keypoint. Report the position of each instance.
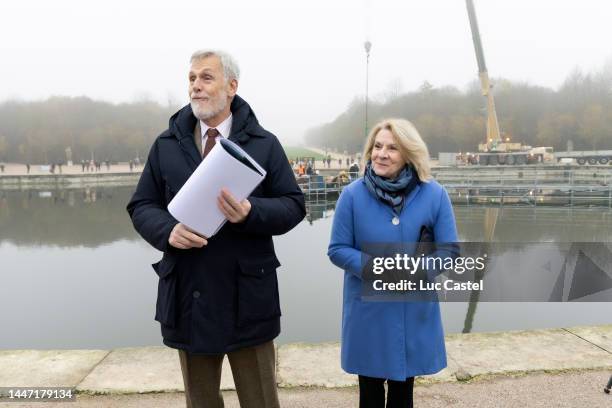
(493, 137)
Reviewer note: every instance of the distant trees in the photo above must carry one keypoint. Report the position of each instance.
(40, 132)
(449, 119)
(453, 120)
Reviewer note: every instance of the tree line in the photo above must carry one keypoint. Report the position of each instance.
(41, 131)
(449, 119)
(453, 120)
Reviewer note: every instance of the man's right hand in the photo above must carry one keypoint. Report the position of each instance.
(182, 237)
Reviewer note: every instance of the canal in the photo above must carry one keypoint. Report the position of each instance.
(75, 274)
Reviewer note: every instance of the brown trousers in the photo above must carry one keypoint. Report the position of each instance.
(254, 371)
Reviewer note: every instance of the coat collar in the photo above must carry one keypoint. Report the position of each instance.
(244, 124)
(183, 123)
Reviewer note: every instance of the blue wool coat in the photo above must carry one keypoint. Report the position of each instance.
(392, 340)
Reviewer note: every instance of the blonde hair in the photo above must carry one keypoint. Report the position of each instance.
(412, 148)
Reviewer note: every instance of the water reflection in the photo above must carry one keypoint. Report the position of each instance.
(65, 217)
(84, 217)
(317, 210)
(96, 216)
(71, 257)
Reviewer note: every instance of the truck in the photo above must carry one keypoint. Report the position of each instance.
(511, 154)
(524, 155)
(591, 157)
(450, 159)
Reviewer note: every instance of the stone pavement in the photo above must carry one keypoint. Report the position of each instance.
(156, 369)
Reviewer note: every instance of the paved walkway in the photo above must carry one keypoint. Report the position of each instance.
(18, 169)
(334, 164)
(475, 356)
(536, 390)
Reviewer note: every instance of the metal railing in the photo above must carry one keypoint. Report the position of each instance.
(533, 186)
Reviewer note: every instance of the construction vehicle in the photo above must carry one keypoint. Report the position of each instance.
(591, 157)
(495, 150)
(515, 154)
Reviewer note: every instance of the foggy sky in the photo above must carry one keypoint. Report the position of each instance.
(302, 62)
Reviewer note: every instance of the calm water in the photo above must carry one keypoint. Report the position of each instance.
(76, 275)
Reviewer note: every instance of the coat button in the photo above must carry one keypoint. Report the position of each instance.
(262, 270)
(196, 294)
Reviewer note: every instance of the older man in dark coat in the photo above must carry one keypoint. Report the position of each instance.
(218, 295)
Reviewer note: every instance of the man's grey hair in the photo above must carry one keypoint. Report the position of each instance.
(229, 64)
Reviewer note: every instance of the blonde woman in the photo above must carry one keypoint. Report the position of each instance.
(396, 197)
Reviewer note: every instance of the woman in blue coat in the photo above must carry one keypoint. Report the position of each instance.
(389, 341)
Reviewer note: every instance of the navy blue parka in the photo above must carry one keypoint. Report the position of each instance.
(223, 296)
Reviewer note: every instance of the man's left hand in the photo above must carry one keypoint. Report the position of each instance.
(233, 210)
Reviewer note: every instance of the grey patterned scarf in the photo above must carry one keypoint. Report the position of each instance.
(391, 191)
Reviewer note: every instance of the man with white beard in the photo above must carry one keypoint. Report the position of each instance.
(218, 295)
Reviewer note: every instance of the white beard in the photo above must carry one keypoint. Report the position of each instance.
(217, 107)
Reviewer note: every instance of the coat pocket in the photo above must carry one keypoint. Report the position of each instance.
(258, 290)
(165, 309)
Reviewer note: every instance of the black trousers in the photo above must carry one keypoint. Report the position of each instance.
(372, 393)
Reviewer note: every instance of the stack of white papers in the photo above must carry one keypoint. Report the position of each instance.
(225, 166)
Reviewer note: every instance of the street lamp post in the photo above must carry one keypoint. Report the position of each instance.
(368, 47)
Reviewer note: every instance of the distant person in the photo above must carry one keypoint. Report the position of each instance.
(389, 341)
(341, 178)
(52, 168)
(340, 162)
(82, 166)
(328, 162)
(309, 170)
(347, 162)
(28, 168)
(107, 162)
(1, 167)
(131, 165)
(59, 167)
(218, 295)
(354, 171)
